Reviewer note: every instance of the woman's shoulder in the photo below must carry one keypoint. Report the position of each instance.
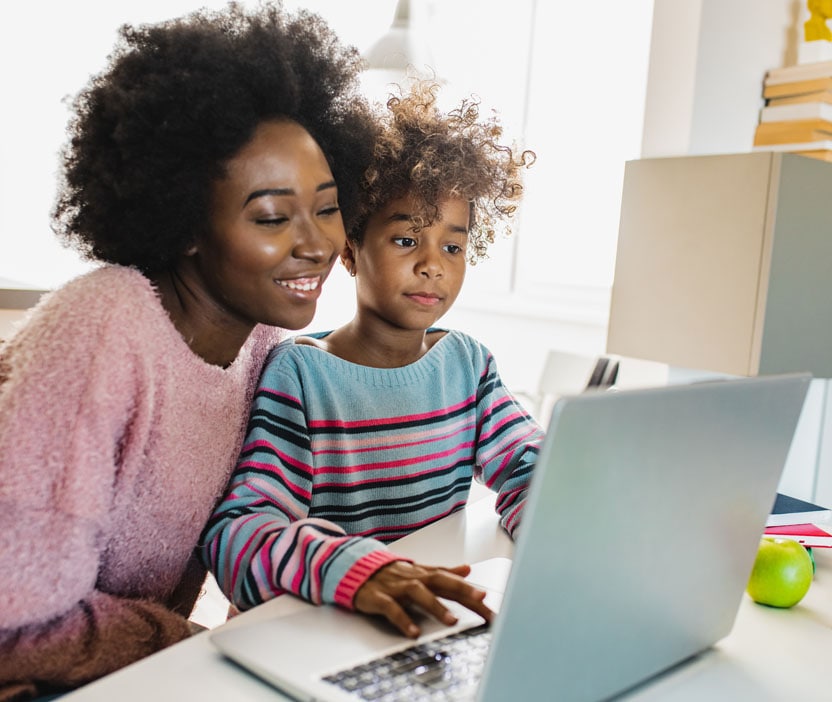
(104, 288)
(91, 311)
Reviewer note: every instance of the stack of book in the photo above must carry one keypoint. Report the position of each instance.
(802, 521)
(797, 116)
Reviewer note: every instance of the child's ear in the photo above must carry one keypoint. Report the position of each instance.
(348, 257)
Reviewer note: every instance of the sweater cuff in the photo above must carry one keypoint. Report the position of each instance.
(360, 572)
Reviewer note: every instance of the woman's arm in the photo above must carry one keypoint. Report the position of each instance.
(60, 431)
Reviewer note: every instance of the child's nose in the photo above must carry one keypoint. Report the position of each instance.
(430, 265)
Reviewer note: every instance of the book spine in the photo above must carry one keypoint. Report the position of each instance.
(806, 71)
(796, 87)
(808, 130)
(802, 148)
(824, 96)
(806, 110)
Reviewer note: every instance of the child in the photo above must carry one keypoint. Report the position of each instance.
(361, 435)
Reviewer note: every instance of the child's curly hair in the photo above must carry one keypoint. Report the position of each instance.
(428, 156)
(178, 99)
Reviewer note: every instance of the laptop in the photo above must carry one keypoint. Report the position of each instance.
(642, 524)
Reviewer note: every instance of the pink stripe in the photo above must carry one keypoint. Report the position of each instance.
(382, 478)
(265, 561)
(250, 481)
(372, 449)
(493, 409)
(407, 528)
(498, 425)
(283, 500)
(384, 465)
(260, 443)
(323, 556)
(241, 553)
(508, 442)
(428, 433)
(300, 554)
(360, 572)
(513, 515)
(278, 393)
(326, 423)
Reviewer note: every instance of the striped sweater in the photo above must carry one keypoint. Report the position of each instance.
(340, 459)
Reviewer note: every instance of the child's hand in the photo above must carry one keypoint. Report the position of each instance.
(399, 584)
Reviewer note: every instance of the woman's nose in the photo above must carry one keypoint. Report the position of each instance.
(317, 243)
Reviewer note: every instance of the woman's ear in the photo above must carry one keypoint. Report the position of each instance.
(348, 257)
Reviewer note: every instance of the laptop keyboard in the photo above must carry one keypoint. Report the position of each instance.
(444, 669)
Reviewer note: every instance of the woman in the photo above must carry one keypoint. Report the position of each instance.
(201, 172)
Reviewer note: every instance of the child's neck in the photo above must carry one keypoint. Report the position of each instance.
(379, 348)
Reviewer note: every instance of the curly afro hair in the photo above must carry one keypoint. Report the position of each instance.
(428, 155)
(177, 100)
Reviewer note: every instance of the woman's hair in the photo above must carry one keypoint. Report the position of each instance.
(429, 155)
(177, 101)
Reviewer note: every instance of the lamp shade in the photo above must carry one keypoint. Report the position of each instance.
(723, 264)
(398, 57)
(397, 48)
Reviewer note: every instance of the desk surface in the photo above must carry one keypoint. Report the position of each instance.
(770, 655)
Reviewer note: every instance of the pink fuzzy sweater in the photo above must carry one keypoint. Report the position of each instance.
(116, 442)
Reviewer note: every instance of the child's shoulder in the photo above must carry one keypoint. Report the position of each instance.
(295, 350)
(458, 343)
(316, 340)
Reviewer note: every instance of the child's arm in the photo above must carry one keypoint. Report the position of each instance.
(261, 541)
(508, 443)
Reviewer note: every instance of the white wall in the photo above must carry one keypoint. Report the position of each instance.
(546, 287)
(47, 52)
(707, 63)
(703, 97)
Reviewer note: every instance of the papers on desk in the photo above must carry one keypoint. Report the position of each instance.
(802, 521)
(790, 510)
(810, 535)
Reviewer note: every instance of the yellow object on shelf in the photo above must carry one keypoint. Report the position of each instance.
(816, 27)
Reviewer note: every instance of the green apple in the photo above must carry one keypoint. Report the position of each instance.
(782, 573)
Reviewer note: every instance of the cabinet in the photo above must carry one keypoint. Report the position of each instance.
(723, 264)
(13, 305)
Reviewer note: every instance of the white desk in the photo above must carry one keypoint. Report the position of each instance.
(771, 654)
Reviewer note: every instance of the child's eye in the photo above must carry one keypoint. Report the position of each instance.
(453, 248)
(404, 241)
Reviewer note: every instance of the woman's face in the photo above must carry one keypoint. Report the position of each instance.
(275, 229)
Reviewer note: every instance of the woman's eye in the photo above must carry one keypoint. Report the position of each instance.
(404, 241)
(271, 221)
(329, 211)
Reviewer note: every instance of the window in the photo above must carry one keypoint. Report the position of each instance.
(580, 107)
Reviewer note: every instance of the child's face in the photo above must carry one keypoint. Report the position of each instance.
(408, 278)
